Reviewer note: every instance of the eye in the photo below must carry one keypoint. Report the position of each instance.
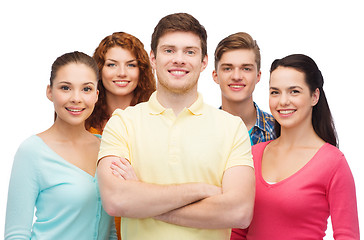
(87, 89)
(190, 52)
(65, 88)
(132, 65)
(226, 69)
(168, 50)
(295, 91)
(274, 92)
(247, 69)
(111, 65)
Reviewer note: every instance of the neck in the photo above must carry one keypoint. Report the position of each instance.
(67, 132)
(304, 135)
(243, 109)
(115, 101)
(176, 101)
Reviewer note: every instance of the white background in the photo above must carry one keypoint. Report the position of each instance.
(34, 33)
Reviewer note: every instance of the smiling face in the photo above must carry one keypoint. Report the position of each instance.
(290, 99)
(237, 75)
(73, 93)
(178, 62)
(120, 73)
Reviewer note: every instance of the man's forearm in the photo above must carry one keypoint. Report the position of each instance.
(232, 209)
(136, 199)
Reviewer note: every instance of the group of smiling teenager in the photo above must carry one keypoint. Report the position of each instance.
(170, 165)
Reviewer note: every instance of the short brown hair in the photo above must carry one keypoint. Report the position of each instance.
(240, 40)
(183, 22)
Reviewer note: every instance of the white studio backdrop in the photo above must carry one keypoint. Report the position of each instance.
(35, 33)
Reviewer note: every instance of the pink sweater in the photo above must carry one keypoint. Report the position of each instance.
(298, 207)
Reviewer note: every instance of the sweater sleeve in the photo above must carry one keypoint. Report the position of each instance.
(238, 234)
(342, 201)
(22, 195)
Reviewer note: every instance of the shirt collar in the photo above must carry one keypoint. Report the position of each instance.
(156, 108)
(260, 118)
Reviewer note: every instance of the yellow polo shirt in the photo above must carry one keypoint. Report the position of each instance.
(198, 145)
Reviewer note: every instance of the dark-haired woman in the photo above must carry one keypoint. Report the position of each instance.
(302, 178)
(53, 172)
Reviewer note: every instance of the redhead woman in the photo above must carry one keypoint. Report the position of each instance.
(126, 79)
(53, 172)
(302, 178)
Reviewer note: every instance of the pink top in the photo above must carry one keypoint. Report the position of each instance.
(298, 207)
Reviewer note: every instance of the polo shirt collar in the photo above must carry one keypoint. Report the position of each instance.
(156, 108)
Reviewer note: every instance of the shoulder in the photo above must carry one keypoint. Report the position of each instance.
(31, 144)
(220, 114)
(257, 148)
(131, 110)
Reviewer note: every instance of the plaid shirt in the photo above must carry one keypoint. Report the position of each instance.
(263, 129)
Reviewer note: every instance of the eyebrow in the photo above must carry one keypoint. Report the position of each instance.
(129, 61)
(69, 83)
(244, 64)
(291, 87)
(174, 46)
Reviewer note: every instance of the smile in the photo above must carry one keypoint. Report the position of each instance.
(121, 83)
(178, 72)
(236, 86)
(286, 111)
(75, 110)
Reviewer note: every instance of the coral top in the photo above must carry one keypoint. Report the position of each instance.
(298, 207)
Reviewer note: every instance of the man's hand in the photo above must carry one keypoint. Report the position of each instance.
(121, 168)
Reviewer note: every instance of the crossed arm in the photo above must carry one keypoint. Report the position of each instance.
(135, 199)
(208, 207)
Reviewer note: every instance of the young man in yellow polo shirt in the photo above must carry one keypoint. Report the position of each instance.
(194, 176)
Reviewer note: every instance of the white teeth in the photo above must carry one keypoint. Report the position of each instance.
(236, 86)
(74, 110)
(121, 82)
(286, 111)
(178, 72)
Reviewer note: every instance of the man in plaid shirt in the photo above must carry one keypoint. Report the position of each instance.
(237, 71)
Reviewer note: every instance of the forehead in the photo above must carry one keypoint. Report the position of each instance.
(287, 77)
(179, 39)
(238, 57)
(76, 73)
(117, 53)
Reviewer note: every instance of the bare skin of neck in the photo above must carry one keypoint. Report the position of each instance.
(176, 101)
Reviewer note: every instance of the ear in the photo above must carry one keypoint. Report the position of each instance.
(49, 93)
(97, 95)
(215, 77)
(315, 97)
(258, 76)
(152, 59)
(204, 63)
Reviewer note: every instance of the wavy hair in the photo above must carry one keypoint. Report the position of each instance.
(146, 84)
(322, 120)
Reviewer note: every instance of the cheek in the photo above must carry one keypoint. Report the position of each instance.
(107, 74)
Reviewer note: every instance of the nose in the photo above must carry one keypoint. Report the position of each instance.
(284, 99)
(121, 71)
(76, 97)
(178, 58)
(236, 74)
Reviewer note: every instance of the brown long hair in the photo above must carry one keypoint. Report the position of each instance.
(146, 84)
